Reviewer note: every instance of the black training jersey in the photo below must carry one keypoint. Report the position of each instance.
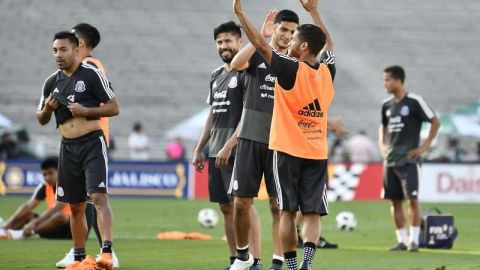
(227, 90)
(87, 86)
(40, 192)
(258, 108)
(403, 120)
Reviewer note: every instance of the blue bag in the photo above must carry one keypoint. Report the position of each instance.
(437, 230)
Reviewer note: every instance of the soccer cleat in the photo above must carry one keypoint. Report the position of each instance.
(304, 267)
(399, 247)
(67, 260)
(242, 265)
(87, 264)
(15, 234)
(116, 262)
(255, 267)
(323, 243)
(413, 247)
(227, 268)
(73, 266)
(104, 261)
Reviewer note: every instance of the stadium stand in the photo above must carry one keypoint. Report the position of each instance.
(159, 55)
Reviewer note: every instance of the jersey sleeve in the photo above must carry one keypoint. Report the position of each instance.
(210, 92)
(253, 62)
(328, 58)
(39, 193)
(101, 86)
(46, 90)
(285, 68)
(424, 111)
(384, 116)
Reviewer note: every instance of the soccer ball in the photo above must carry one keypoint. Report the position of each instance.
(346, 221)
(208, 218)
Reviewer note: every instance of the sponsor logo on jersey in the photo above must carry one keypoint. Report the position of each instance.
(313, 109)
(71, 98)
(262, 65)
(60, 192)
(214, 85)
(80, 87)
(307, 124)
(270, 78)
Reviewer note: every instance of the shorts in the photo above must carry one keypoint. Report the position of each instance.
(59, 232)
(401, 183)
(82, 168)
(219, 180)
(301, 184)
(253, 161)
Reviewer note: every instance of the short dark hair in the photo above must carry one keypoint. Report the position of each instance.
(397, 72)
(49, 162)
(314, 36)
(88, 33)
(286, 15)
(228, 27)
(66, 35)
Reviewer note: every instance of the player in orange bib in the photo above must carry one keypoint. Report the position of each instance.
(53, 223)
(303, 94)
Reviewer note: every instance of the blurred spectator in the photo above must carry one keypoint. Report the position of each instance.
(8, 147)
(175, 150)
(138, 143)
(362, 149)
(454, 152)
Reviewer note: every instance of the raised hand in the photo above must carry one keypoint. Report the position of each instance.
(309, 5)
(267, 27)
(237, 6)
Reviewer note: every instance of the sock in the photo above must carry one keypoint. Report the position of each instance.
(402, 236)
(232, 259)
(309, 249)
(291, 260)
(107, 247)
(242, 253)
(414, 234)
(257, 261)
(277, 262)
(79, 254)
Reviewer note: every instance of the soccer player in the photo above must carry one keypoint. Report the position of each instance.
(399, 137)
(88, 38)
(73, 93)
(303, 94)
(254, 159)
(53, 223)
(227, 90)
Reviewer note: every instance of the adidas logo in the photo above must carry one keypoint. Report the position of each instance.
(262, 65)
(102, 185)
(312, 109)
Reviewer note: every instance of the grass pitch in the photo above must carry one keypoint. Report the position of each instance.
(137, 222)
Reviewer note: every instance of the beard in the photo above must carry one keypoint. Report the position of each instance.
(227, 58)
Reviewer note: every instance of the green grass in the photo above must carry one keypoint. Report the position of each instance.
(137, 222)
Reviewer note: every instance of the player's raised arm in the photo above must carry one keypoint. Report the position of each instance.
(242, 58)
(311, 6)
(255, 37)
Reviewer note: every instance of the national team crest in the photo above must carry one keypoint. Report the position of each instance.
(405, 111)
(80, 86)
(233, 82)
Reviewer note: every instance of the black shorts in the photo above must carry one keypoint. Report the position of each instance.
(301, 184)
(82, 168)
(59, 232)
(400, 183)
(219, 180)
(253, 160)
